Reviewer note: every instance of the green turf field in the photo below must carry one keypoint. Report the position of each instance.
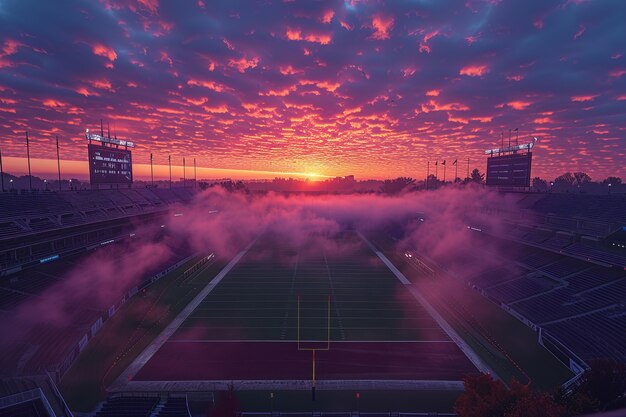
(258, 299)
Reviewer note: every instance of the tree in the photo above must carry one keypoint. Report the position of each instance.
(477, 177)
(397, 185)
(540, 185)
(612, 181)
(567, 179)
(604, 383)
(485, 397)
(581, 178)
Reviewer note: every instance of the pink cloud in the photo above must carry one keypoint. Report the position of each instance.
(105, 51)
(382, 25)
(583, 98)
(474, 70)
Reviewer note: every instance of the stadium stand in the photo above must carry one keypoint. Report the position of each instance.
(128, 406)
(132, 405)
(175, 407)
(31, 396)
(43, 241)
(562, 277)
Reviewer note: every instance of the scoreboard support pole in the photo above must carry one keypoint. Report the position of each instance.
(58, 163)
(30, 177)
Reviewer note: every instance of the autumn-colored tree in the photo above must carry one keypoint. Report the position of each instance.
(485, 397)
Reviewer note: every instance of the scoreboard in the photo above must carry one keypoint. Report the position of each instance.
(108, 165)
(511, 170)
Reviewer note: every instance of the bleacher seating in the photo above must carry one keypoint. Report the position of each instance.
(34, 408)
(558, 241)
(564, 267)
(175, 407)
(540, 258)
(521, 288)
(591, 253)
(128, 407)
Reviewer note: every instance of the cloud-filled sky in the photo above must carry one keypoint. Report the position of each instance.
(369, 88)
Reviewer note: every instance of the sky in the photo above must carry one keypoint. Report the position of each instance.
(367, 88)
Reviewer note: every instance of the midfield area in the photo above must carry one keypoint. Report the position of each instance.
(247, 327)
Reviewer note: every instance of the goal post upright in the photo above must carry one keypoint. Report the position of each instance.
(314, 349)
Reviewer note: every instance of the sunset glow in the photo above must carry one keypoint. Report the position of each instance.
(295, 88)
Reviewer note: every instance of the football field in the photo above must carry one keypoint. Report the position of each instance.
(258, 324)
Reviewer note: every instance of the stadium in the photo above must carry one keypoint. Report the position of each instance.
(353, 311)
(312, 208)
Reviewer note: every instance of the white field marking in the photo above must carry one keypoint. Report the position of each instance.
(222, 385)
(153, 347)
(304, 341)
(465, 348)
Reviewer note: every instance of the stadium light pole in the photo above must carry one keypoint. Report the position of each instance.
(427, 172)
(444, 170)
(151, 171)
(1, 171)
(456, 169)
(184, 174)
(30, 178)
(467, 168)
(169, 161)
(58, 162)
(195, 178)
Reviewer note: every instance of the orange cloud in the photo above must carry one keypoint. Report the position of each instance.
(294, 34)
(297, 35)
(211, 85)
(169, 110)
(101, 84)
(289, 70)
(519, 105)
(382, 25)
(321, 39)
(243, 64)
(53, 103)
(328, 16)
(217, 109)
(543, 120)
(474, 70)
(83, 91)
(105, 51)
(433, 93)
(583, 98)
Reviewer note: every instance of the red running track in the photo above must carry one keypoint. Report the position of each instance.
(243, 360)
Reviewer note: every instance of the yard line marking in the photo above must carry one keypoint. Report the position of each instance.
(307, 341)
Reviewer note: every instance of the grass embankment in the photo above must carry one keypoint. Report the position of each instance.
(124, 336)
